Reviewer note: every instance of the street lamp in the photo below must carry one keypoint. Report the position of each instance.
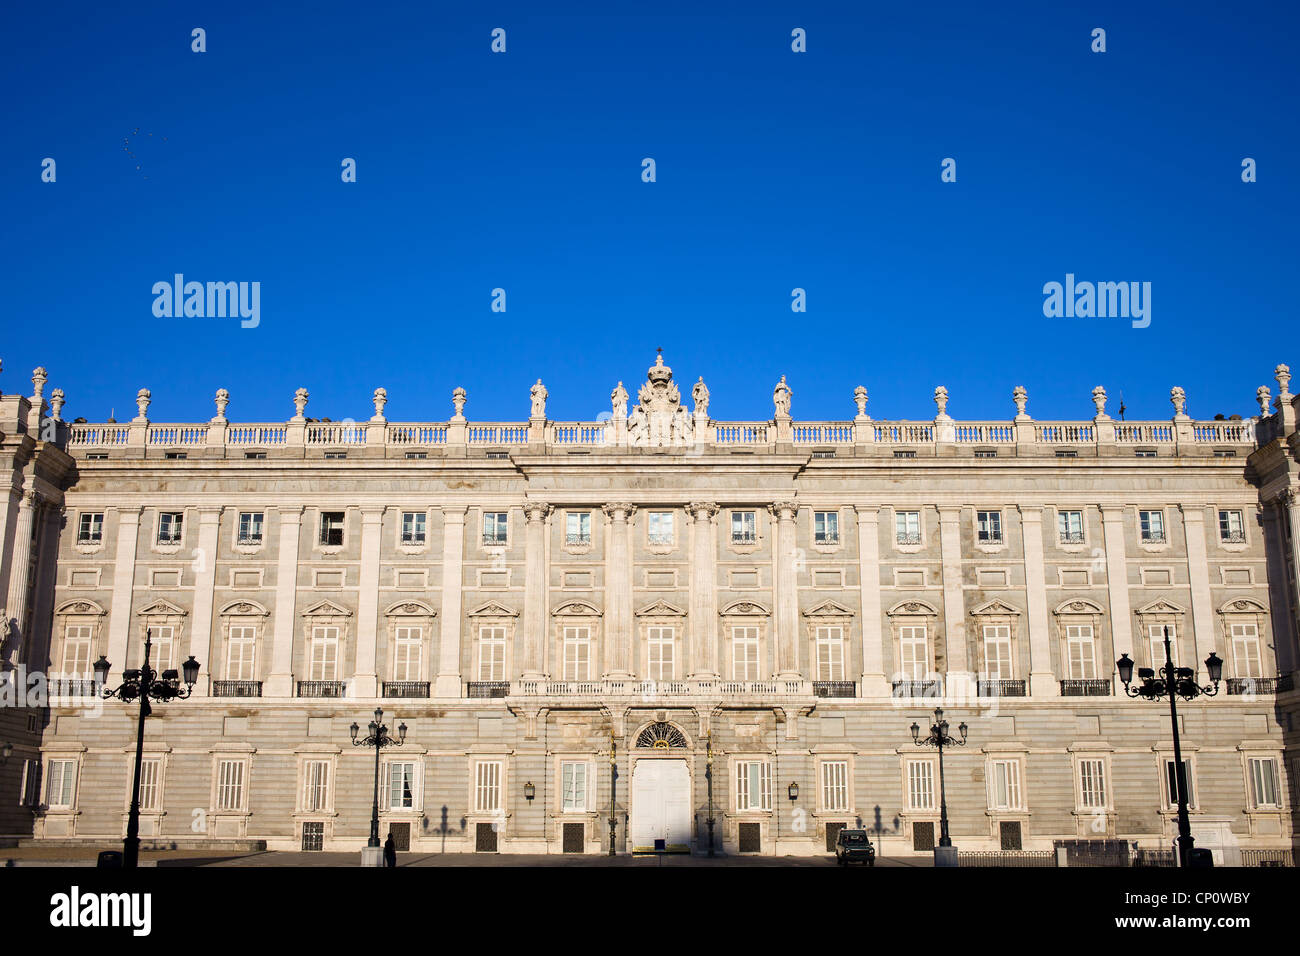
(613, 803)
(379, 738)
(939, 737)
(708, 776)
(529, 791)
(1173, 682)
(142, 684)
(793, 792)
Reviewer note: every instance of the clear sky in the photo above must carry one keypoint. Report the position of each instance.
(775, 170)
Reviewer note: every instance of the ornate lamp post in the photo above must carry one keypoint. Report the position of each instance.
(379, 738)
(940, 738)
(613, 783)
(1173, 682)
(708, 777)
(142, 684)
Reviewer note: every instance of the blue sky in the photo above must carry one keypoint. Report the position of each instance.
(522, 170)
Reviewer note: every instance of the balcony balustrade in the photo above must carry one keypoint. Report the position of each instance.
(320, 688)
(918, 688)
(1086, 687)
(405, 688)
(237, 688)
(1248, 686)
(1000, 688)
(483, 689)
(835, 688)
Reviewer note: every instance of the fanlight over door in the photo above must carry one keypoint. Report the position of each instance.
(661, 736)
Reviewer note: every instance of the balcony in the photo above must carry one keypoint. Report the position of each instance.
(1001, 688)
(1251, 686)
(744, 537)
(1233, 537)
(918, 688)
(907, 539)
(413, 538)
(1153, 537)
(835, 688)
(494, 541)
(486, 689)
(236, 688)
(1090, 687)
(1071, 537)
(73, 687)
(826, 537)
(578, 538)
(93, 537)
(405, 688)
(250, 540)
(320, 688)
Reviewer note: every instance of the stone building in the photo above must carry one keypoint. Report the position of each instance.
(736, 620)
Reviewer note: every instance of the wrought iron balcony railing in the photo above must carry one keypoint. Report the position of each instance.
(320, 688)
(835, 688)
(1233, 537)
(1086, 687)
(405, 688)
(1251, 685)
(1001, 688)
(1071, 537)
(577, 538)
(908, 538)
(487, 689)
(236, 688)
(744, 537)
(73, 687)
(918, 688)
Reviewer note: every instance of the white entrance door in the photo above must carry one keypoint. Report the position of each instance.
(661, 803)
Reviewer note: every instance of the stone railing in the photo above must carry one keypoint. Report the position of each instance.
(658, 689)
(859, 437)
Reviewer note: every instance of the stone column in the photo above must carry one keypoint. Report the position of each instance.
(37, 650)
(536, 587)
(786, 633)
(365, 681)
(205, 577)
(618, 591)
(1121, 617)
(8, 515)
(954, 600)
(874, 683)
(1291, 501)
(453, 549)
(279, 682)
(1279, 589)
(119, 620)
(22, 562)
(1042, 679)
(704, 592)
(1198, 575)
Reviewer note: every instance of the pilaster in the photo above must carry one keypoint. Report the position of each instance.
(119, 621)
(1042, 679)
(449, 643)
(279, 682)
(874, 683)
(365, 682)
(204, 581)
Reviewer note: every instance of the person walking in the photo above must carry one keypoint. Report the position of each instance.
(390, 851)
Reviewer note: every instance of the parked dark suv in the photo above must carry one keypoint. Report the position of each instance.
(854, 846)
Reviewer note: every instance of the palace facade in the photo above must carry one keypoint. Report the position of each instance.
(651, 621)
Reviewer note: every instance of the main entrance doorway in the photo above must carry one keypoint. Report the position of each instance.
(661, 806)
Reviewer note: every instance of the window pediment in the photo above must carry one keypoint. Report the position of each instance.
(162, 608)
(1160, 607)
(913, 607)
(80, 607)
(1078, 607)
(828, 609)
(326, 609)
(577, 609)
(493, 609)
(244, 608)
(745, 609)
(410, 609)
(1243, 606)
(995, 608)
(661, 609)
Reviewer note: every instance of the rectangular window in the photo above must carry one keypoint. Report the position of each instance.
(835, 785)
(1069, 525)
(487, 786)
(914, 652)
(989, 526)
(986, 453)
(1152, 525)
(1092, 784)
(744, 653)
(830, 653)
(660, 653)
(492, 654)
(335, 455)
(61, 784)
(753, 785)
(826, 527)
(1264, 788)
(744, 527)
(1080, 652)
(316, 785)
(413, 527)
(920, 785)
(162, 656)
(1246, 661)
(577, 527)
(170, 526)
(573, 786)
(1232, 529)
(577, 654)
(1006, 785)
(659, 525)
(401, 785)
(76, 651)
(1156, 635)
(324, 663)
(331, 528)
(250, 527)
(30, 793)
(239, 654)
(997, 651)
(907, 527)
(255, 455)
(1171, 784)
(90, 528)
(408, 644)
(230, 784)
(150, 780)
(495, 527)
(1144, 453)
